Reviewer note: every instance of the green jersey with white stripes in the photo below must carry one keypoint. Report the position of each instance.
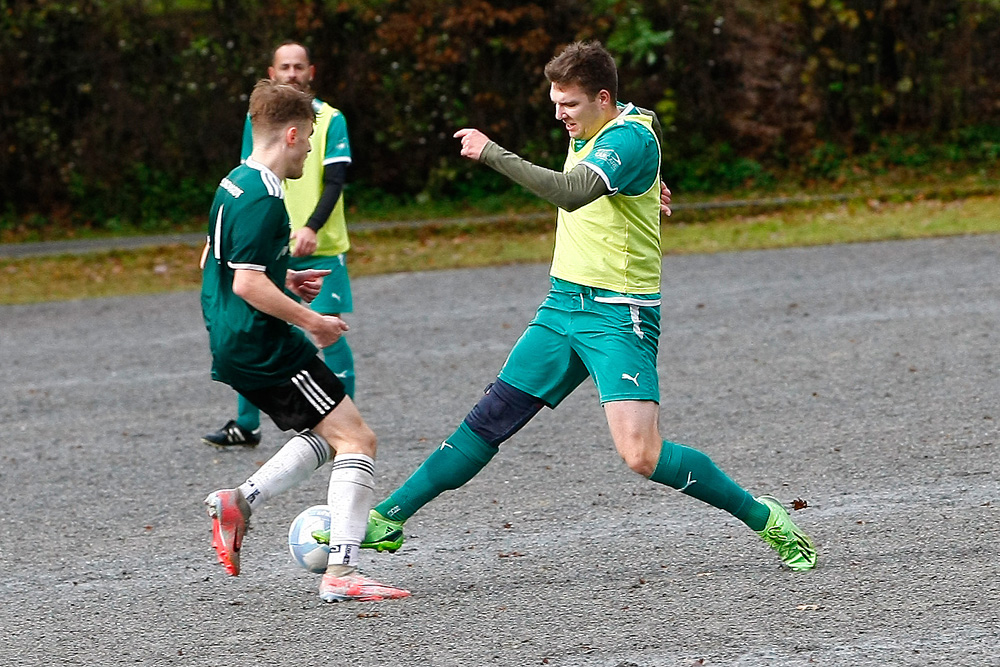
(248, 229)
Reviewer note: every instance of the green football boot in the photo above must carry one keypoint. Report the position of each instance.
(781, 533)
(381, 535)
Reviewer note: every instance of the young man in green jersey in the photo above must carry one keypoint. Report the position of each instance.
(319, 237)
(601, 317)
(257, 334)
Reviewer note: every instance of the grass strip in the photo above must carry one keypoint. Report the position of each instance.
(175, 267)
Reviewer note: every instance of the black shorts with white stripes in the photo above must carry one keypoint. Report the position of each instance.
(303, 400)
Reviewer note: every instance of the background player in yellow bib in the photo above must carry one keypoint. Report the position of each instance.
(601, 318)
(319, 238)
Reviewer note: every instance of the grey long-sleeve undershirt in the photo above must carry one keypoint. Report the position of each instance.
(569, 191)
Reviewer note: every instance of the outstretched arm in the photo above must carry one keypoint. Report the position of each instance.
(567, 191)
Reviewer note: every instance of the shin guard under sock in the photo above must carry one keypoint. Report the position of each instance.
(452, 464)
(247, 414)
(694, 474)
(340, 360)
(350, 495)
(289, 466)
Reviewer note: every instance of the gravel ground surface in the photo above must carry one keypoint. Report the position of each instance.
(861, 379)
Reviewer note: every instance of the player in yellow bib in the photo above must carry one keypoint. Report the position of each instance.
(319, 239)
(601, 318)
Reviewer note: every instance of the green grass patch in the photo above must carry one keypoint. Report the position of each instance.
(843, 223)
(172, 268)
(115, 273)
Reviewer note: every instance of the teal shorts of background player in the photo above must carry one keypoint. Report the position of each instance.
(584, 331)
(335, 296)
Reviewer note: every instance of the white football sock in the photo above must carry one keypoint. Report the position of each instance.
(350, 496)
(289, 466)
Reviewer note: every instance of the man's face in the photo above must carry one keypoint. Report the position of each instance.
(582, 116)
(291, 66)
(299, 150)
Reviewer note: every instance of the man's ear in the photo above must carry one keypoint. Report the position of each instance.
(291, 135)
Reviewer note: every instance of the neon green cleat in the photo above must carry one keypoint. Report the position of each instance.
(781, 533)
(381, 535)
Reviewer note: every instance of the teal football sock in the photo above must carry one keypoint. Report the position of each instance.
(339, 359)
(452, 464)
(247, 414)
(694, 474)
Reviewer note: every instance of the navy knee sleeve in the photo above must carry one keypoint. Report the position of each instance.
(501, 412)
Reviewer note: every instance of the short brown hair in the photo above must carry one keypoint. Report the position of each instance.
(586, 64)
(274, 104)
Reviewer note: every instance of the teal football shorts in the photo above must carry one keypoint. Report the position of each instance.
(580, 331)
(335, 295)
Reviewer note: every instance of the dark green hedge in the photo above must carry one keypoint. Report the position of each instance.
(132, 110)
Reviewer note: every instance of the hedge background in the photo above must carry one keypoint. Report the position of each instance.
(134, 109)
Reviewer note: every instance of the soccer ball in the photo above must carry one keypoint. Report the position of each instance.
(307, 552)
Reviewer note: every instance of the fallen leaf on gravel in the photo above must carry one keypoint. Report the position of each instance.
(799, 504)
